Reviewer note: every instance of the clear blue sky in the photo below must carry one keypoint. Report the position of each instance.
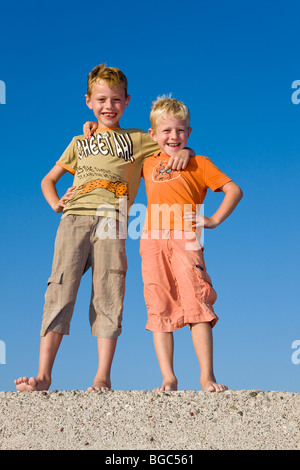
(233, 63)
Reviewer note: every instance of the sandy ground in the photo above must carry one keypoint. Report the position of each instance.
(147, 420)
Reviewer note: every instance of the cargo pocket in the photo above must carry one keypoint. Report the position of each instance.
(204, 290)
(201, 272)
(115, 290)
(53, 296)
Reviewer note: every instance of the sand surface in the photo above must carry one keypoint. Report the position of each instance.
(147, 420)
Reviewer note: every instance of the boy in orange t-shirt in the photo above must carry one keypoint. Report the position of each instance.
(178, 290)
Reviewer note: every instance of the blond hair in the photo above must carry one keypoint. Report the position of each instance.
(111, 75)
(165, 105)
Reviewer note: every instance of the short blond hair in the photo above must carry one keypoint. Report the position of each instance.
(165, 105)
(111, 75)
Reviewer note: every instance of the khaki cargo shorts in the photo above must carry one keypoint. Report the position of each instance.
(80, 245)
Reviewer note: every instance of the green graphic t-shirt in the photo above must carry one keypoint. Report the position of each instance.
(107, 169)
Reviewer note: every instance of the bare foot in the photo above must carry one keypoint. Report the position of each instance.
(167, 386)
(23, 384)
(212, 386)
(100, 385)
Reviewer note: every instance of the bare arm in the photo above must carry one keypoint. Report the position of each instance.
(180, 162)
(89, 128)
(233, 195)
(49, 189)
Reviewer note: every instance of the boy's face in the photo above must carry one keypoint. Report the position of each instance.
(107, 103)
(171, 134)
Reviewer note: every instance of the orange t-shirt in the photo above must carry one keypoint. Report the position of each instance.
(171, 194)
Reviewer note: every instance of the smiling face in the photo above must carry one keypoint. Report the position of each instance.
(108, 104)
(171, 134)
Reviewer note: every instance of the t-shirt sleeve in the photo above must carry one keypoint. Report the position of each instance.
(69, 158)
(149, 147)
(214, 178)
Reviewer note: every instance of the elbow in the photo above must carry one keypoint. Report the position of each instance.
(233, 189)
(43, 182)
(240, 193)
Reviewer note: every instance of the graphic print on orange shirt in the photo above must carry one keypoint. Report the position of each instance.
(161, 175)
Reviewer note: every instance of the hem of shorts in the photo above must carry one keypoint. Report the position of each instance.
(61, 329)
(168, 328)
(107, 336)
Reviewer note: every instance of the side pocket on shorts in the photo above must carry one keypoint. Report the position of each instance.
(204, 290)
(53, 296)
(201, 272)
(113, 292)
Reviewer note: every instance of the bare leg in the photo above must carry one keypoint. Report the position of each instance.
(48, 349)
(106, 351)
(203, 344)
(164, 347)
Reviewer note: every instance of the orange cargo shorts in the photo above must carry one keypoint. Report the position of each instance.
(177, 288)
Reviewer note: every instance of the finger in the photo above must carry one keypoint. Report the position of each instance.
(190, 216)
(169, 164)
(67, 197)
(184, 165)
(87, 132)
(177, 165)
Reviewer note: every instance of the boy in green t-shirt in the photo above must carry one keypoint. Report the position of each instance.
(107, 171)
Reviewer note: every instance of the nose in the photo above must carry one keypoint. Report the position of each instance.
(174, 134)
(109, 103)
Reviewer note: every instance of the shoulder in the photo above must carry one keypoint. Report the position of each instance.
(202, 161)
(200, 158)
(198, 161)
(152, 161)
(131, 130)
(75, 138)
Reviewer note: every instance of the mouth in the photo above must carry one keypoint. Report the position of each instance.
(109, 115)
(173, 145)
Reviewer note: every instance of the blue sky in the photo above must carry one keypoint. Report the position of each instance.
(233, 64)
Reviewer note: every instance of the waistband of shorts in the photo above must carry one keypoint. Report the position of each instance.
(170, 234)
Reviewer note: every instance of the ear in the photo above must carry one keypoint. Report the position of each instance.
(190, 130)
(88, 102)
(127, 99)
(152, 134)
